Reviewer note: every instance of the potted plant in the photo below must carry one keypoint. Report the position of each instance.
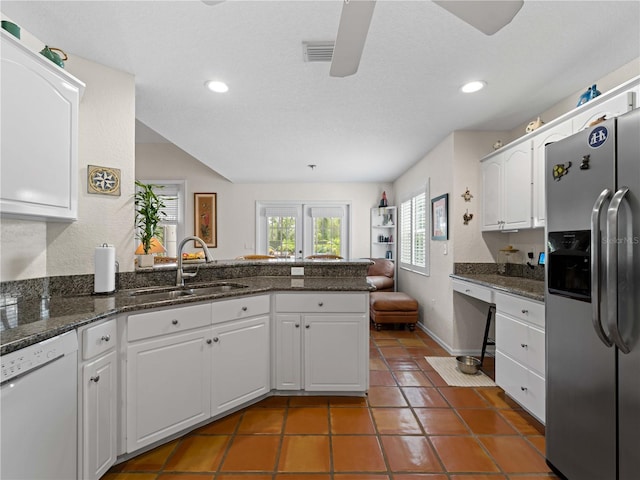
(148, 214)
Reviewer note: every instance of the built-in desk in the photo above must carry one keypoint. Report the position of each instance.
(519, 334)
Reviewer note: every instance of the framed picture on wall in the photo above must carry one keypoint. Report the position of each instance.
(439, 216)
(205, 222)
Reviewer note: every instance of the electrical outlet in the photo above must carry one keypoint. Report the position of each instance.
(296, 271)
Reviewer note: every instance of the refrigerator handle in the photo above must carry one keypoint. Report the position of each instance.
(612, 269)
(596, 244)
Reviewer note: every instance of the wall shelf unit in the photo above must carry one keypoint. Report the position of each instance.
(384, 230)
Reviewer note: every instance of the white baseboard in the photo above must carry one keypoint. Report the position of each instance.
(451, 351)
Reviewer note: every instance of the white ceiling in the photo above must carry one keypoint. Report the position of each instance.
(282, 114)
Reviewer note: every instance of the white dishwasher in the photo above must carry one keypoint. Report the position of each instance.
(39, 411)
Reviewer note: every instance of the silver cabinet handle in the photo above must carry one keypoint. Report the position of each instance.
(320, 304)
(297, 325)
(244, 309)
(208, 341)
(95, 379)
(307, 326)
(216, 339)
(174, 321)
(467, 290)
(612, 269)
(524, 345)
(105, 338)
(596, 243)
(524, 389)
(525, 311)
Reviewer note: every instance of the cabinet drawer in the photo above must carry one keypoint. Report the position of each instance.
(523, 385)
(99, 339)
(322, 302)
(521, 308)
(162, 322)
(481, 293)
(512, 338)
(240, 308)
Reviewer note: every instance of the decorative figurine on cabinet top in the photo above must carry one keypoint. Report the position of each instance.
(383, 200)
(590, 94)
(537, 123)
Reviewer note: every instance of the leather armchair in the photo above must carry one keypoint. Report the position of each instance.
(380, 274)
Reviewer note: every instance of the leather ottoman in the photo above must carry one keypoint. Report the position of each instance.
(394, 308)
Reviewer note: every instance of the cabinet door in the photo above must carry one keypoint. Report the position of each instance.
(39, 136)
(288, 359)
(240, 362)
(336, 352)
(554, 134)
(517, 173)
(613, 107)
(99, 417)
(168, 386)
(492, 193)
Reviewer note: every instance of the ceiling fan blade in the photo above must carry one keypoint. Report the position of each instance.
(352, 33)
(487, 16)
(212, 2)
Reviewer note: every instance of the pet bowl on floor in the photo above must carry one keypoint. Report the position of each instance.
(468, 364)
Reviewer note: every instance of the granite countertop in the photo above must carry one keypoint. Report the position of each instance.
(30, 321)
(525, 287)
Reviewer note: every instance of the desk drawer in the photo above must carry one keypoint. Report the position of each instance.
(521, 308)
(473, 290)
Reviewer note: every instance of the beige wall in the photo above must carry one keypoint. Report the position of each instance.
(32, 249)
(237, 201)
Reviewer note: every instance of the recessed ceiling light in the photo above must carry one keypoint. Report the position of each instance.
(216, 86)
(473, 86)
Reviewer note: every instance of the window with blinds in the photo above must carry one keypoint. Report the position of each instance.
(414, 252)
(171, 227)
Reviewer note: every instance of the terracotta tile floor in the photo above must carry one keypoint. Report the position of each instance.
(412, 426)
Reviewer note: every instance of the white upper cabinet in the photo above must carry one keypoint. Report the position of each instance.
(506, 189)
(554, 134)
(39, 135)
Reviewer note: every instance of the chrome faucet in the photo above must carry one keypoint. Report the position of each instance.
(181, 275)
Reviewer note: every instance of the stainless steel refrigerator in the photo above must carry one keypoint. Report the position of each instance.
(592, 301)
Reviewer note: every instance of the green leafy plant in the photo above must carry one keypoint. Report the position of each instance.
(148, 212)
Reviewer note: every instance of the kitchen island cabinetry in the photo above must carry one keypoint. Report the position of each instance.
(40, 104)
(321, 342)
(506, 189)
(98, 397)
(520, 351)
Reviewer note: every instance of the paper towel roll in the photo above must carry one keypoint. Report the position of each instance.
(105, 269)
(170, 240)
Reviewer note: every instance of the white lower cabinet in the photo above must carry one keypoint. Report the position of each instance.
(520, 351)
(98, 422)
(168, 386)
(188, 364)
(240, 364)
(322, 342)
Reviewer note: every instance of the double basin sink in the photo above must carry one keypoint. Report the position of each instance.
(170, 293)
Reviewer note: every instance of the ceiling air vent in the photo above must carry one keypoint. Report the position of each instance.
(318, 51)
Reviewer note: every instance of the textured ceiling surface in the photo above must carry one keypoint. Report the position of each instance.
(282, 114)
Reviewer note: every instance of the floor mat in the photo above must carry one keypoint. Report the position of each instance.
(447, 368)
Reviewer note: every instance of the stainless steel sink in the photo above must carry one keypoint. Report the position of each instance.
(215, 288)
(159, 295)
(173, 292)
